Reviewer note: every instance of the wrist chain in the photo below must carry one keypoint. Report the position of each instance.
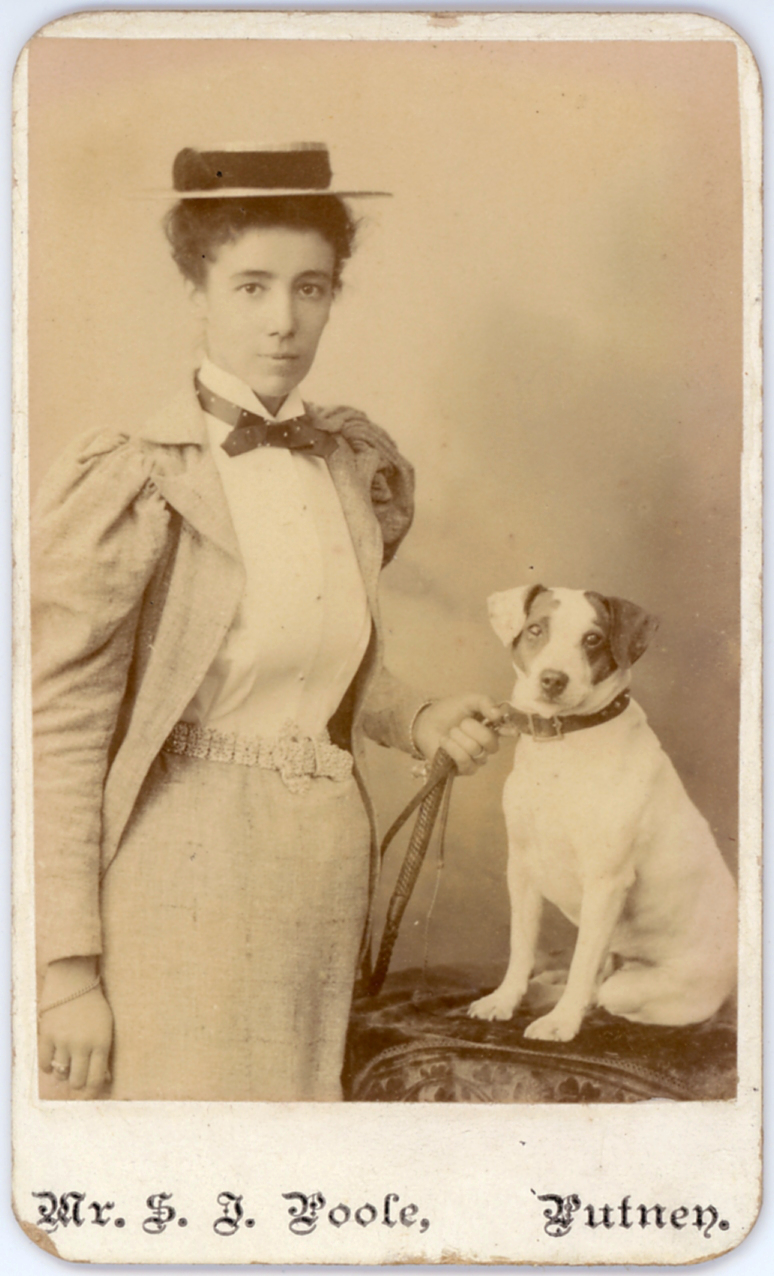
(72, 997)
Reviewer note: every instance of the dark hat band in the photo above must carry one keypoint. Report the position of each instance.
(302, 169)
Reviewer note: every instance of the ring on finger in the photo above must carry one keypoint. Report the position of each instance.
(61, 1069)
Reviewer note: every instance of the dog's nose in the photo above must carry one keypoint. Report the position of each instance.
(553, 682)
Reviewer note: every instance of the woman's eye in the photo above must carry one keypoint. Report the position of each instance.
(592, 640)
(534, 630)
(311, 290)
(251, 288)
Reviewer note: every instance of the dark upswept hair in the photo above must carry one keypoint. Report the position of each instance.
(197, 228)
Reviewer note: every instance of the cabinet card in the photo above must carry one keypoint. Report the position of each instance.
(387, 390)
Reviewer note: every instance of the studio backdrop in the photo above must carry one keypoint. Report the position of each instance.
(546, 315)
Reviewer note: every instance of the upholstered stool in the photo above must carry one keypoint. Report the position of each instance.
(415, 1044)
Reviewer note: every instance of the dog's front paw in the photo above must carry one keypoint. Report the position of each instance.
(497, 1005)
(553, 1027)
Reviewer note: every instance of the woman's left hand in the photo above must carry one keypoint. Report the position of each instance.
(449, 724)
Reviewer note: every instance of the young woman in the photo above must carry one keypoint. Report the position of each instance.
(208, 661)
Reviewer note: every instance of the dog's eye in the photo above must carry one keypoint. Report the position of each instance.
(592, 641)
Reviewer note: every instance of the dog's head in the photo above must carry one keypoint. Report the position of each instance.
(571, 649)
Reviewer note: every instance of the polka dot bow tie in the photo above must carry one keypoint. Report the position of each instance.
(249, 430)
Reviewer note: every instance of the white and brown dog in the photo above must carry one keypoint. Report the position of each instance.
(600, 824)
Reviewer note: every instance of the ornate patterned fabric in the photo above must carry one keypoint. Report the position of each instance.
(415, 1044)
(295, 754)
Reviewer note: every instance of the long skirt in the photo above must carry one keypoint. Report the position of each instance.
(232, 916)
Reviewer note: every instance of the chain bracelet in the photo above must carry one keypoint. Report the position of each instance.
(72, 997)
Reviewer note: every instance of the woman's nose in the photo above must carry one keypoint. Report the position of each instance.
(282, 314)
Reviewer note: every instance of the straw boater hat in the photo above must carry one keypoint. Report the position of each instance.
(299, 168)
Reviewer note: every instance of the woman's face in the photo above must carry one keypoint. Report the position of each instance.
(265, 302)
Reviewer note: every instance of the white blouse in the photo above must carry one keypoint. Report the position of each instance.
(303, 623)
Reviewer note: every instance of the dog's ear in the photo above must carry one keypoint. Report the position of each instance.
(631, 629)
(507, 610)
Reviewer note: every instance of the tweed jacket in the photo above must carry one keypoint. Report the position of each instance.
(136, 576)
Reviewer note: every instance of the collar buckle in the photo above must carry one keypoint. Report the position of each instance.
(545, 730)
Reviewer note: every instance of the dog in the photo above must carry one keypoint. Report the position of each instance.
(599, 823)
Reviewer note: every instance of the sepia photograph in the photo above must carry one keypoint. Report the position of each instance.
(387, 515)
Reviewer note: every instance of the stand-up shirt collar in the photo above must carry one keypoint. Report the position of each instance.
(237, 391)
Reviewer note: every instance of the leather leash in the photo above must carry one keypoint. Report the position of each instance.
(429, 800)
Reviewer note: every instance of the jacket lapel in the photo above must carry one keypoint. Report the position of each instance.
(187, 476)
(362, 523)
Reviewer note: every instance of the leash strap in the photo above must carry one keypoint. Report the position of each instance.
(429, 800)
(443, 820)
(433, 779)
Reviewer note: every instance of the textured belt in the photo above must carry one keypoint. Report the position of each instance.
(296, 755)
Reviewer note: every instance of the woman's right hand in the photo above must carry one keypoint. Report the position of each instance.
(74, 1039)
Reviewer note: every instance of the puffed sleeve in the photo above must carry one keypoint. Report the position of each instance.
(383, 469)
(99, 527)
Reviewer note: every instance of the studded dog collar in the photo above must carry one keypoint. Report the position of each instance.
(544, 729)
